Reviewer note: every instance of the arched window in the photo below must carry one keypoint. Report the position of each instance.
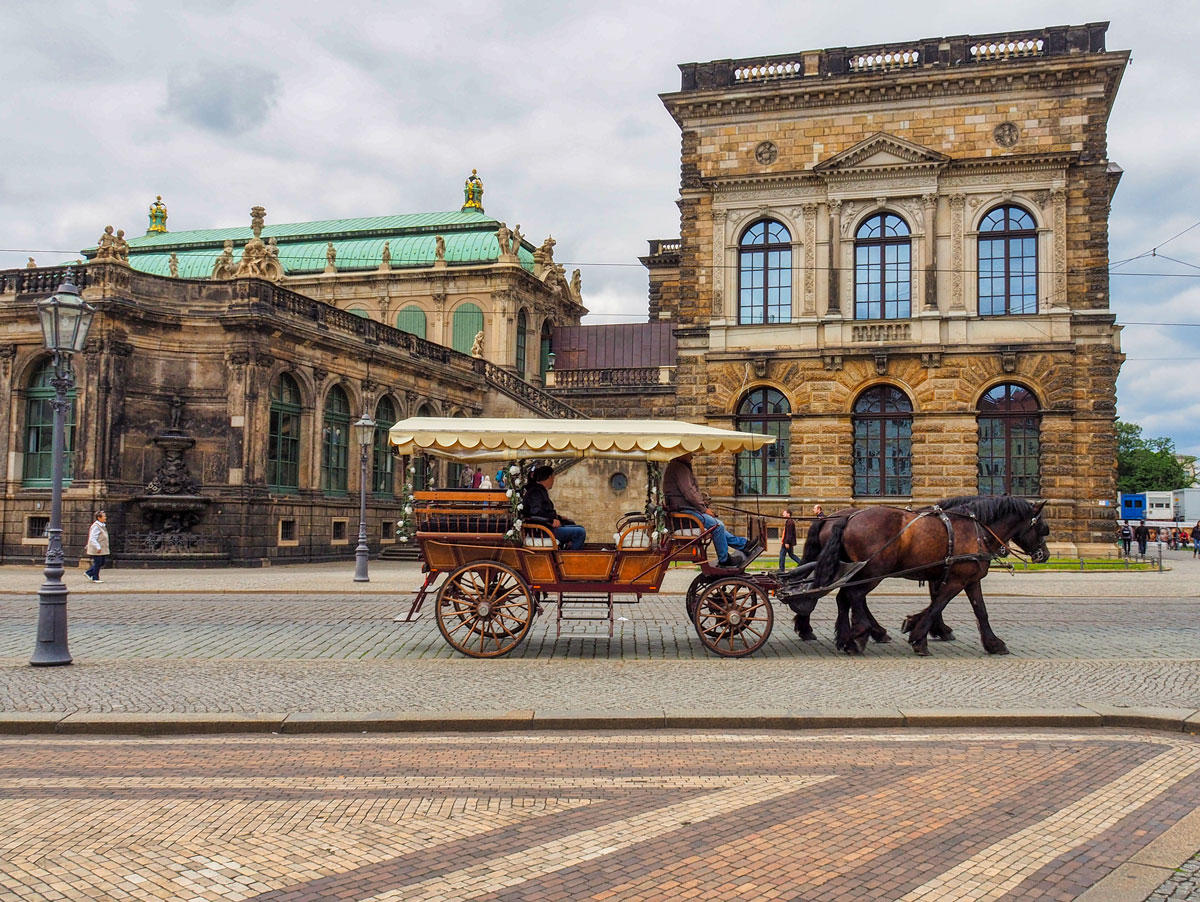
(359, 311)
(468, 322)
(545, 349)
(765, 471)
(1009, 441)
(522, 329)
(882, 269)
(383, 473)
(765, 274)
(1007, 262)
(882, 442)
(283, 436)
(335, 441)
(39, 428)
(412, 319)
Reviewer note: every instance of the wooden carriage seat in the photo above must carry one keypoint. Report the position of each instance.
(635, 535)
(535, 535)
(684, 526)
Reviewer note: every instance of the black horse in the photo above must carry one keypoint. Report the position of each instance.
(950, 544)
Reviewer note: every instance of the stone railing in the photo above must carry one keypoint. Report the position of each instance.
(611, 377)
(43, 280)
(882, 332)
(957, 50)
(520, 390)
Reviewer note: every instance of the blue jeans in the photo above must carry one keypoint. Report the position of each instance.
(721, 539)
(570, 538)
(789, 552)
(98, 561)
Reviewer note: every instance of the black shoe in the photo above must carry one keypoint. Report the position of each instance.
(753, 549)
(733, 560)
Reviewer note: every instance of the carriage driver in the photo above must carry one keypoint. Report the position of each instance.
(540, 509)
(682, 495)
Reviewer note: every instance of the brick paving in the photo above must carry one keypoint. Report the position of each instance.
(1037, 815)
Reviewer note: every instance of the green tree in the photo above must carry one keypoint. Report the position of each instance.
(1147, 464)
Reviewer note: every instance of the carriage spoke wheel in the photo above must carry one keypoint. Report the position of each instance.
(484, 609)
(699, 584)
(733, 617)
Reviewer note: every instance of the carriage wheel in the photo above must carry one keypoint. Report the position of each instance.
(484, 609)
(733, 617)
(698, 585)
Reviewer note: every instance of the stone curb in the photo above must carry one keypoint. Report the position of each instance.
(21, 723)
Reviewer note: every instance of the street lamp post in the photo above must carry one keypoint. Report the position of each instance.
(65, 319)
(364, 433)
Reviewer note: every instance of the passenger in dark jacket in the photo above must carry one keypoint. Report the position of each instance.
(787, 542)
(1141, 535)
(540, 509)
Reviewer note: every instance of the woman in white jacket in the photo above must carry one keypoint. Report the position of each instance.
(97, 546)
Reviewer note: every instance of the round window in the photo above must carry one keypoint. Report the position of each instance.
(618, 482)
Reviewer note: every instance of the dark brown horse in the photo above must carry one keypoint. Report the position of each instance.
(950, 545)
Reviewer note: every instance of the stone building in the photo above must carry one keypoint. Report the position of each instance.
(894, 258)
(213, 403)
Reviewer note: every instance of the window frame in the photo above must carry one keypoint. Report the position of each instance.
(413, 311)
(1025, 239)
(335, 444)
(882, 243)
(1005, 416)
(875, 426)
(522, 341)
(281, 412)
(761, 311)
(757, 472)
(459, 339)
(383, 463)
(37, 466)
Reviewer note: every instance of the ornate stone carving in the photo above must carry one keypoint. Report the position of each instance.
(385, 257)
(320, 374)
(112, 248)
(1006, 134)
(158, 216)
(439, 249)
(225, 267)
(893, 332)
(931, 359)
(1058, 202)
(330, 257)
(238, 358)
(258, 216)
(259, 260)
(766, 153)
(881, 362)
(173, 265)
(1008, 362)
(477, 345)
(832, 362)
(957, 204)
(577, 287)
(809, 302)
(760, 367)
(473, 192)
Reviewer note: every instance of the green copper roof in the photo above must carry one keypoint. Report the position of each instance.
(470, 238)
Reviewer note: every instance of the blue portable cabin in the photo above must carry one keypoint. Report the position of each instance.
(1133, 506)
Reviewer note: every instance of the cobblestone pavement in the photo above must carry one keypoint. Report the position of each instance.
(722, 815)
(1184, 884)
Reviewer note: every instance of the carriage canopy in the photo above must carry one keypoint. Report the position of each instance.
(467, 438)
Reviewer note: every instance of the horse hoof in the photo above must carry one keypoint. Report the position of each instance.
(808, 636)
(909, 622)
(947, 636)
(883, 638)
(920, 649)
(998, 649)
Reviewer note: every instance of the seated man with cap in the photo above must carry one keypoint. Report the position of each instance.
(540, 509)
(682, 495)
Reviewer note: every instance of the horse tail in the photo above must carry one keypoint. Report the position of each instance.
(829, 559)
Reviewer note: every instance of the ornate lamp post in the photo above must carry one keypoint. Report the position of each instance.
(364, 433)
(65, 319)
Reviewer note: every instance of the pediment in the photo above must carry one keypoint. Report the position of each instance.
(879, 151)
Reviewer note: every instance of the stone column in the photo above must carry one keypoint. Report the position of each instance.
(1058, 292)
(809, 301)
(720, 272)
(957, 204)
(835, 239)
(931, 242)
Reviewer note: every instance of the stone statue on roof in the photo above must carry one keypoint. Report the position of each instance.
(543, 257)
(121, 247)
(158, 216)
(473, 193)
(260, 261)
(330, 257)
(257, 216)
(477, 344)
(439, 248)
(385, 259)
(32, 264)
(504, 239)
(577, 287)
(517, 238)
(173, 265)
(106, 248)
(224, 267)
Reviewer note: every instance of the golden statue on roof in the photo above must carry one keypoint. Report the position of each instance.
(473, 193)
(158, 216)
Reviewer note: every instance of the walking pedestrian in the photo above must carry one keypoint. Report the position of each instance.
(97, 546)
(787, 539)
(1196, 539)
(1126, 535)
(1141, 535)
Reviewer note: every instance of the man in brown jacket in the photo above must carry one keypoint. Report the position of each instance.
(787, 541)
(682, 495)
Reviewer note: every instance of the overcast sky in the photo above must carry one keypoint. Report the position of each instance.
(332, 109)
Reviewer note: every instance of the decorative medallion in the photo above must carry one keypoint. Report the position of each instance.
(1005, 134)
(766, 153)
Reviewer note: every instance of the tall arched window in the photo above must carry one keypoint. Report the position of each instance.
(545, 349)
(882, 442)
(765, 471)
(522, 329)
(283, 436)
(1007, 262)
(411, 319)
(765, 274)
(359, 311)
(882, 269)
(39, 428)
(335, 441)
(383, 473)
(467, 323)
(1009, 441)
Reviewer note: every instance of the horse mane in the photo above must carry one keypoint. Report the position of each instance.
(990, 507)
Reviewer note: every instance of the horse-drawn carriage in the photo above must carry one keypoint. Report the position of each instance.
(500, 571)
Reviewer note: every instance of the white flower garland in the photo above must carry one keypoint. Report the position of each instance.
(405, 528)
(515, 481)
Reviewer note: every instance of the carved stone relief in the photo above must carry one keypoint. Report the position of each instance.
(809, 303)
(957, 204)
